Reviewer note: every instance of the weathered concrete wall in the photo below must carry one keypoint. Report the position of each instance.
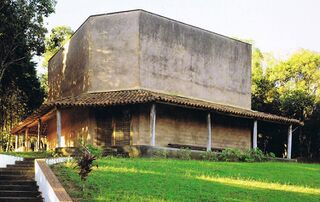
(76, 124)
(114, 49)
(102, 55)
(177, 125)
(68, 69)
(182, 59)
(138, 49)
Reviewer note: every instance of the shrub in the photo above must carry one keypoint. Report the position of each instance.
(97, 152)
(85, 161)
(271, 156)
(230, 155)
(54, 153)
(247, 157)
(209, 156)
(184, 153)
(250, 155)
(257, 155)
(159, 153)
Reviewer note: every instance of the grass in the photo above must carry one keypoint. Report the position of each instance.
(29, 154)
(142, 179)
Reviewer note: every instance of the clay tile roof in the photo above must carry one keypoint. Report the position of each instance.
(123, 97)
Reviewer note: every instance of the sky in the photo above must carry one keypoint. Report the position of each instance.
(278, 26)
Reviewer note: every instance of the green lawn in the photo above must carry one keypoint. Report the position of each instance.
(142, 179)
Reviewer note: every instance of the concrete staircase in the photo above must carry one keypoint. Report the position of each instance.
(17, 182)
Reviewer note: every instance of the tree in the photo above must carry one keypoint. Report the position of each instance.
(21, 31)
(57, 38)
(297, 82)
(291, 88)
(21, 37)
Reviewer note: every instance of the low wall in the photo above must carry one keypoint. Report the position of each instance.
(48, 182)
(52, 161)
(8, 160)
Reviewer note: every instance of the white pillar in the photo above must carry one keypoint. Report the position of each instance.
(59, 128)
(26, 141)
(255, 135)
(16, 143)
(153, 125)
(39, 131)
(209, 132)
(289, 141)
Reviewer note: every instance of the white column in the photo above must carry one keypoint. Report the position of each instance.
(289, 141)
(59, 128)
(16, 143)
(26, 141)
(39, 131)
(255, 135)
(153, 125)
(209, 132)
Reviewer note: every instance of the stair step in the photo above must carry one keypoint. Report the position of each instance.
(19, 187)
(21, 199)
(24, 163)
(28, 159)
(20, 166)
(18, 182)
(17, 169)
(15, 177)
(17, 172)
(5, 193)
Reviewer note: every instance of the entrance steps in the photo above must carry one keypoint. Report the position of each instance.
(17, 183)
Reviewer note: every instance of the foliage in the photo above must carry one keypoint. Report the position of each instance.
(22, 31)
(85, 162)
(209, 156)
(230, 155)
(21, 36)
(58, 37)
(254, 155)
(184, 154)
(145, 179)
(250, 155)
(290, 88)
(159, 153)
(97, 152)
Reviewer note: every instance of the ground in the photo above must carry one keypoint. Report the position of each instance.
(142, 179)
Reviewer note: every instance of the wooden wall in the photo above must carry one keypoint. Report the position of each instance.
(76, 124)
(131, 125)
(177, 125)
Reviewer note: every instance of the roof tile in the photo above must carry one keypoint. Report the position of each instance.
(139, 96)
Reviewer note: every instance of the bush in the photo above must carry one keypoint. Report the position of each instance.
(230, 155)
(271, 156)
(209, 156)
(159, 153)
(97, 152)
(184, 154)
(250, 155)
(253, 155)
